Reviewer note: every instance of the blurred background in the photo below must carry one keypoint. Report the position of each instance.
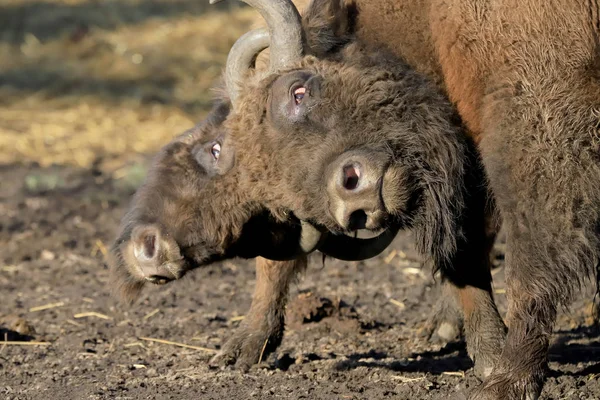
(98, 83)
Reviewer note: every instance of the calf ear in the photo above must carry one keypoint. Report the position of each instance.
(328, 25)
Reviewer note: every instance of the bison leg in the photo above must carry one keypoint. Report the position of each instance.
(520, 371)
(484, 329)
(472, 310)
(535, 290)
(467, 301)
(261, 331)
(544, 173)
(447, 321)
(468, 287)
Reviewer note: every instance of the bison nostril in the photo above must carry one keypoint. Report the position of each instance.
(351, 176)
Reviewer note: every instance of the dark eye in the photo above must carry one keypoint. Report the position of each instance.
(299, 94)
(215, 150)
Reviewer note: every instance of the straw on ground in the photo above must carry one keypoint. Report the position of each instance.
(151, 314)
(47, 306)
(91, 314)
(16, 343)
(187, 346)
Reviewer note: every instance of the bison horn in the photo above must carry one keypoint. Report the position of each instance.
(348, 248)
(285, 30)
(242, 57)
(310, 237)
(285, 35)
(342, 247)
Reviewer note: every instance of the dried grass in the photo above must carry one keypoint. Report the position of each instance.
(86, 82)
(15, 343)
(187, 346)
(91, 314)
(47, 306)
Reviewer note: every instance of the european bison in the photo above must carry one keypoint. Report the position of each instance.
(525, 76)
(334, 122)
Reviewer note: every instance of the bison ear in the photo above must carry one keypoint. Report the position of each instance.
(328, 25)
(145, 240)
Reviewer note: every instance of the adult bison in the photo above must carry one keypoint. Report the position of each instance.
(334, 122)
(525, 76)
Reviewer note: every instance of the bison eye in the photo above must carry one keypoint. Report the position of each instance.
(215, 150)
(299, 94)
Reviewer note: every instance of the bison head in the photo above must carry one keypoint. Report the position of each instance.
(194, 209)
(350, 135)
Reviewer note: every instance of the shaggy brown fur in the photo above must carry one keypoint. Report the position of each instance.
(408, 124)
(525, 75)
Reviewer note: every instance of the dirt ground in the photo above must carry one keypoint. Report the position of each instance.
(88, 91)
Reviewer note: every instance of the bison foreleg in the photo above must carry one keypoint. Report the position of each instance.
(471, 309)
(261, 331)
(445, 325)
(467, 301)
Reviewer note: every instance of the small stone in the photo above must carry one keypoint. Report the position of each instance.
(47, 255)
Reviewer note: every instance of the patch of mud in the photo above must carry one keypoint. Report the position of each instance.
(354, 329)
(310, 308)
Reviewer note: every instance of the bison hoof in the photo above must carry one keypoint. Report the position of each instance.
(502, 387)
(445, 325)
(485, 340)
(247, 347)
